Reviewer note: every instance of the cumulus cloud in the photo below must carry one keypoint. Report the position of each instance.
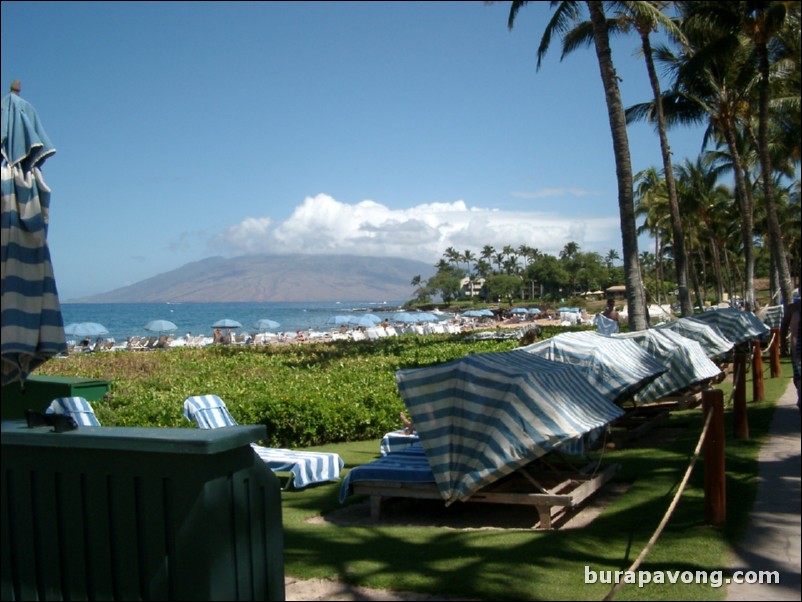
(324, 225)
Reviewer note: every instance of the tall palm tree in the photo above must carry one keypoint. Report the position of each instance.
(567, 13)
(646, 17)
(713, 78)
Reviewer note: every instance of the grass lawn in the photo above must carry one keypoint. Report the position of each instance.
(520, 564)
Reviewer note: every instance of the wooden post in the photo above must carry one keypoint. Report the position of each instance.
(715, 474)
(758, 387)
(740, 419)
(776, 371)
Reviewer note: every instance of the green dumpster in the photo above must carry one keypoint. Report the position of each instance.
(37, 392)
(114, 513)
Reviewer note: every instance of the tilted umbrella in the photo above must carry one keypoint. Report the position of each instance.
(486, 415)
(32, 325)
(617, 368)
(160, 326)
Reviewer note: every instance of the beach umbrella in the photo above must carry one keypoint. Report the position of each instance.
(688, 364)
(426, 317)
(404, 317)
(160, 326)
(737, 325)
(618, 368)
(533, 310)
(478, 313)
(715, 344)
(265, 324)
(339, 320)
(85, 329)
(485, 415)
(363, 321)
(519, 310)
(226, 323)
(32, 325)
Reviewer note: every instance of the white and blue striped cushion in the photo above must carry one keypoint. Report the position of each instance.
(209, 411)
(76, 407)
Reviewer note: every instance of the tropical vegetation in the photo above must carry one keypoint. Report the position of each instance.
(720, 219)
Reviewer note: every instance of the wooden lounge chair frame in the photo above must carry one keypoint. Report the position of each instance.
(551, 484)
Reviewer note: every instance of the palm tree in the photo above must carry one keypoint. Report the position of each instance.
(712, 80)
(566, 13)
(645, 17)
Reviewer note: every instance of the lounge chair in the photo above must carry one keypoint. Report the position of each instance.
(76, 407)
(306, 468)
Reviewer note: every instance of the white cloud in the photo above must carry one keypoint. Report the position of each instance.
(321, 224)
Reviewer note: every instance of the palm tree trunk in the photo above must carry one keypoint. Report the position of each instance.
(636, 308)
(775, 234)
(680, 267)
(747, 219)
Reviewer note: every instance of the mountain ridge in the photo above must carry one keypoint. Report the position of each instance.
(294, 277)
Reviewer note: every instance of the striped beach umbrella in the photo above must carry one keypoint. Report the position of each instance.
(32, 326)
(737, 325)
(618, 368)
(687, 363)
(715, 344)
(486, 415)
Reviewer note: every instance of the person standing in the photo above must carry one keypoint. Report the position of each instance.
(790, 329)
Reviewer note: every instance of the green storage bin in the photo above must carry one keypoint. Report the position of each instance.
(116, 513)
(38, 391)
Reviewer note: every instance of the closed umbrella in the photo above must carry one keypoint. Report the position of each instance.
(32, 326)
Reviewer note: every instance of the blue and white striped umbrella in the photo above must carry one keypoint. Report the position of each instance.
(485, 415)
(687, 363)
(737, 325)
(715, 344)
(32, 326)
(618, 368)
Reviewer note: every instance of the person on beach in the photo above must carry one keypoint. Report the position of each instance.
(217, 336)
(610, 311)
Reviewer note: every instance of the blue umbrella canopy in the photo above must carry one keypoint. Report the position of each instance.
(32, 326)
(160, 326)
(485, 415)
(339, 320)
(85, 329)
(363, 321)
(226, 323)
(265, 324)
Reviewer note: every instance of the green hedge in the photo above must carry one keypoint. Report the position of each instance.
(306, 395)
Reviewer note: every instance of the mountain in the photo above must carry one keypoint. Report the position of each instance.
(276, 278)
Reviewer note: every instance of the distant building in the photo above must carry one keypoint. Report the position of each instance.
(470, 287)
(616, 292)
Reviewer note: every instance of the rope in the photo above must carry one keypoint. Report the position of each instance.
(670, 510)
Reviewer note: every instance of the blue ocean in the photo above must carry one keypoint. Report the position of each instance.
(124, 320)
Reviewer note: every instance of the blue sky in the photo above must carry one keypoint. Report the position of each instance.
(187, 130)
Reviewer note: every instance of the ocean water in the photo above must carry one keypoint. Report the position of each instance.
(124, 320)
